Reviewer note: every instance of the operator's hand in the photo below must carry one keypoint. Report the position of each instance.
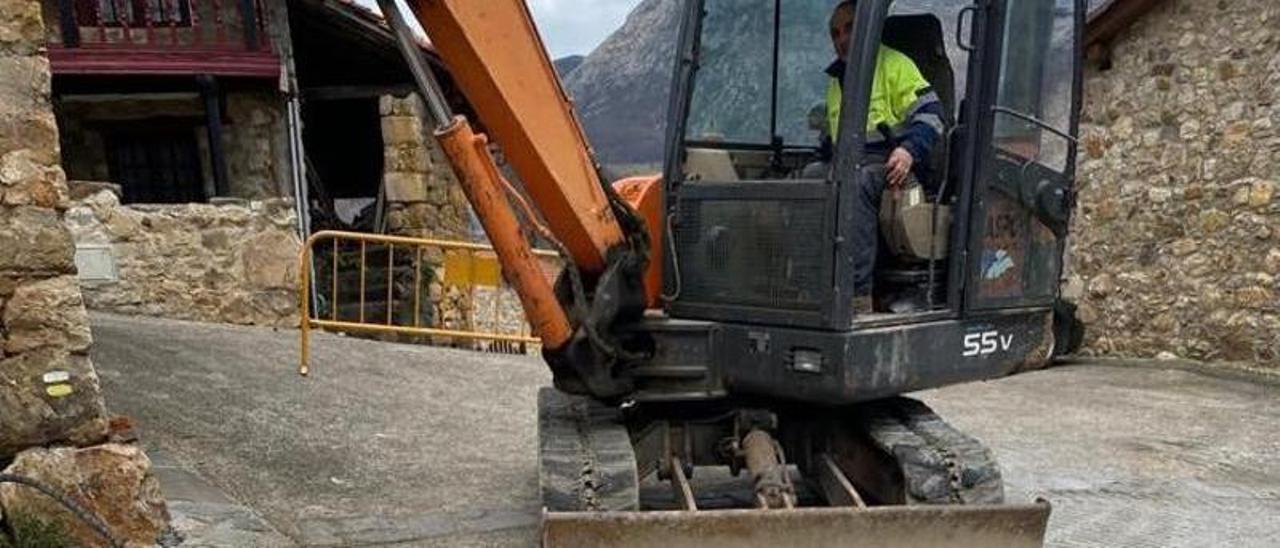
(899, 167)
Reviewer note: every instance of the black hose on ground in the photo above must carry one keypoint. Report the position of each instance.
(78, 511)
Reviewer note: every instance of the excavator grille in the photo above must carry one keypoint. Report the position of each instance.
(772, 254)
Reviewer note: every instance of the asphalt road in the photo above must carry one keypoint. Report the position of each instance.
(389, 443)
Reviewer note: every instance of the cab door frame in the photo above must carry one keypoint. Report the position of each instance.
(976, 232)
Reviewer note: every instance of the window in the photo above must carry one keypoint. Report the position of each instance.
(156, 164)
(740, 95)
(133, 13)
(948, 14)
(1036, 81)
(731, 93)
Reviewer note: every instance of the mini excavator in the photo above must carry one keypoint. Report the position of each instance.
(714, 383)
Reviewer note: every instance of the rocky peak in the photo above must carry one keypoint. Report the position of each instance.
(566, 65)
(620, 89)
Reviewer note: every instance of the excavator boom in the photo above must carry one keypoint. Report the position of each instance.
(494, 53)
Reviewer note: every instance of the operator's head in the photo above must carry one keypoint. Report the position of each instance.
(842, 27)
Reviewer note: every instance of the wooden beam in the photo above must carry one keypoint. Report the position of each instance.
(155, 61)
(345, 20)
(213, 122)
(1116, 18)
(334, 93)
(364, 25)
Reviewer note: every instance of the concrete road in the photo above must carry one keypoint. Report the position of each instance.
(1133, 456)
(390, 443)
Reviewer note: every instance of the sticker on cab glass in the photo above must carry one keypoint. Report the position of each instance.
(996, 264)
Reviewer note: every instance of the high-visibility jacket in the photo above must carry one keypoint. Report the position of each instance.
(904, 111)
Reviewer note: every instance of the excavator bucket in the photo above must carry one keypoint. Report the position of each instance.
(926, 526)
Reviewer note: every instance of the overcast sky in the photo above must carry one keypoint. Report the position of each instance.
(572, 26)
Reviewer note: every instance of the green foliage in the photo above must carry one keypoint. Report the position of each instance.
(30, 531)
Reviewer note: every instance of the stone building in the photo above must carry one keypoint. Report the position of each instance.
(54, 426)
(189, 130)
(1177, 237)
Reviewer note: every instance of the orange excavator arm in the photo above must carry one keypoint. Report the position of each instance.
(493, 52)
(495, 55)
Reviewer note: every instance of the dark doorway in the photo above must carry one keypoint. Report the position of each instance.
(156, 164)
(343, 140)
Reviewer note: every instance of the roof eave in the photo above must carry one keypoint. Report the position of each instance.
(1113, 18)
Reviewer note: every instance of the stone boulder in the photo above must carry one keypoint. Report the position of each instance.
(47, 312)
(82, 190)
(35, 240)
(25, 181)
(270, 260)
(22, 30)
(111, 481)
(49, 396)
(26, 120)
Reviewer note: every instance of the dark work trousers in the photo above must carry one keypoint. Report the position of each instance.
(866, 226)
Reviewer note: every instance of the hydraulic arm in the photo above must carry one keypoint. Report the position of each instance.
(496, 57)
(469, 155)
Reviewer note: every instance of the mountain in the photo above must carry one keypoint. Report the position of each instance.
(620, 90)
(566, 65)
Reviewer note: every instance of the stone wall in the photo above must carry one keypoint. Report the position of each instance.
(424, 199)
(43, 326)
(234, 262)
(49, 391)
(1176, 247)
(257, 146)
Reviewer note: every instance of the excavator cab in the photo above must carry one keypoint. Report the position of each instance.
(705, 328)
(761, 236)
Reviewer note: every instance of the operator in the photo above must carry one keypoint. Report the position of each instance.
(904, 126)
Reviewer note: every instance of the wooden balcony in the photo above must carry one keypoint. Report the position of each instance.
(161, 37)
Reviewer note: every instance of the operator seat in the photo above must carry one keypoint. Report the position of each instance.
(920, 37)
(910, 284)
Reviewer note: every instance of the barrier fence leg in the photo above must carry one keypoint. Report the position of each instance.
(304, 309)
(304, 366)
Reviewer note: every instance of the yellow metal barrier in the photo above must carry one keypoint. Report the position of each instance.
(452, 264)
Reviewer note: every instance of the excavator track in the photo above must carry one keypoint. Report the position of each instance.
(585, 459)
(934, 485)
(587, 463)
(938, 463)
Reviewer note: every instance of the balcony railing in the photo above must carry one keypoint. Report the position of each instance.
(223, 37)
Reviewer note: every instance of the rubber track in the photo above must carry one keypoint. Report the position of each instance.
(585, 458)
(939, 464)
